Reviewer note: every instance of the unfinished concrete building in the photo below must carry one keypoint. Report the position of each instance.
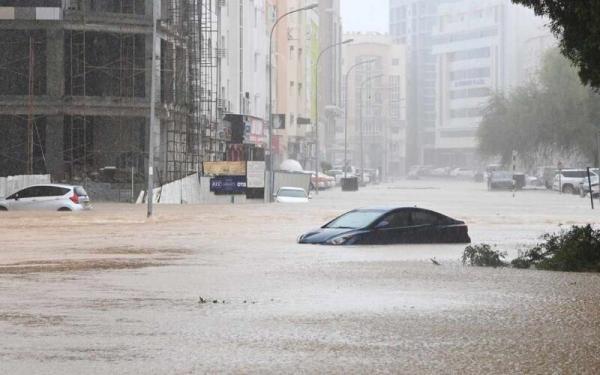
(75, 79)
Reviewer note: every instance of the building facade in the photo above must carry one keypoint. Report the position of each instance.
(329, 77)
(376, 107)
(75, 86)
(481, 47)
(296, 40)
(412, 23)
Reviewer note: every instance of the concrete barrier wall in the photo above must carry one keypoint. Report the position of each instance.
(12, 184)
(190, 190)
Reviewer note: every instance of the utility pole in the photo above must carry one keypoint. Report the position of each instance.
(346, 114)
(317, 103)
(30, 107)
(362, 160)
(153, 78)
(270, 103)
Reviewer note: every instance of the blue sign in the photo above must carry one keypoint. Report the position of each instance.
(224, 185)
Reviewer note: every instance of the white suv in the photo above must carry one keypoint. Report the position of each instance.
(47, 197)
(567, 180)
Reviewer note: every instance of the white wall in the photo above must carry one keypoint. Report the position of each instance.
(190, 190)
(11, 184)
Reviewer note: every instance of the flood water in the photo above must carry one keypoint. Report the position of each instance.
(108, 291)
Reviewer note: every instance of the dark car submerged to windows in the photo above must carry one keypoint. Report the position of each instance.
(375, 226)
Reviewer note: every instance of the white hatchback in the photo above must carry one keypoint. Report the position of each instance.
(291, 195)
(51, 197)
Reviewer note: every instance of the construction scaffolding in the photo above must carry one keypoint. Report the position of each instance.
(80, 92)
(207, 84)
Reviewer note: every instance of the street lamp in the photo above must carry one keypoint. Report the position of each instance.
(362, 159)
(317, 100)
(270, 114)
(152, 124)
(346, 114)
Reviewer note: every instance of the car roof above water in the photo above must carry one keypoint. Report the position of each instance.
(53, 185)
(386, 208)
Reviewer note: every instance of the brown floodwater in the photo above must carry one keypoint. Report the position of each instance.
(110, 291)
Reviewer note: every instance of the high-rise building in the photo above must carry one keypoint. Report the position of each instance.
(376, 105)
(412, 23)
(481, 47)
(296, 38)
(329, 76)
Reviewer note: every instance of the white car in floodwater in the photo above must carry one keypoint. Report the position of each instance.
(50, 197)
(291, 195)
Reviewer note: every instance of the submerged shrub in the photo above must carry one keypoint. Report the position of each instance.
(575, 250)
(483, 255)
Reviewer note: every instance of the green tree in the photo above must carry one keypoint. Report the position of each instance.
(554, 113)
(575, 24)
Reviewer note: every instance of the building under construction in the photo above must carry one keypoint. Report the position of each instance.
(75, 88)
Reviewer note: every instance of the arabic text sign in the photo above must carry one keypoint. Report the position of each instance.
(224, 168)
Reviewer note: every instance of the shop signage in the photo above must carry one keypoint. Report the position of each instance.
(226, 185)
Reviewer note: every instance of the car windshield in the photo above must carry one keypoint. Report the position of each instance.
(355, 219)
(293, 193)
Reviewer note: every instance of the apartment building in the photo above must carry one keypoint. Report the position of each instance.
(376, 105)
(481, 47)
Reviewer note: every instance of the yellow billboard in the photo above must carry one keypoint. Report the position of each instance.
(224, 168)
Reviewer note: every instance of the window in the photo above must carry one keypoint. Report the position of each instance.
(470, 93)
(80, 191)
(395, 62)
(398, 219)
(25, 193)
(420, 217)
(466, 112)
(470, 73)
(355, 219)
(50, 191)
(575, 174)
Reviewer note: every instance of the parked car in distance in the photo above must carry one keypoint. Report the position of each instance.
(337, 174)
(289, 194)
(463, 173)
(567, 180)
(584, 184)
(500, 180)
(377, 226)
(373, 175)
(324, 181)
(50, 197)
(440, 172)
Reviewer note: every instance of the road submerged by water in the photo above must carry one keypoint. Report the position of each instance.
(108, 291)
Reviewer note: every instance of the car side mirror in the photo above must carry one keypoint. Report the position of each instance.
(16, 197)
(382, 224)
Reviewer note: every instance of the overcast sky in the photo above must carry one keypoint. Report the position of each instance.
(365, 15)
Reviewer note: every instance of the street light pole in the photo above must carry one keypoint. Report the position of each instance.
(270, 114)
(362, 159)
(346, 114)
(317, 102)
(150, 187)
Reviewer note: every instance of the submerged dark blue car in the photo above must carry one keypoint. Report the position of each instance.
(377, 226)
